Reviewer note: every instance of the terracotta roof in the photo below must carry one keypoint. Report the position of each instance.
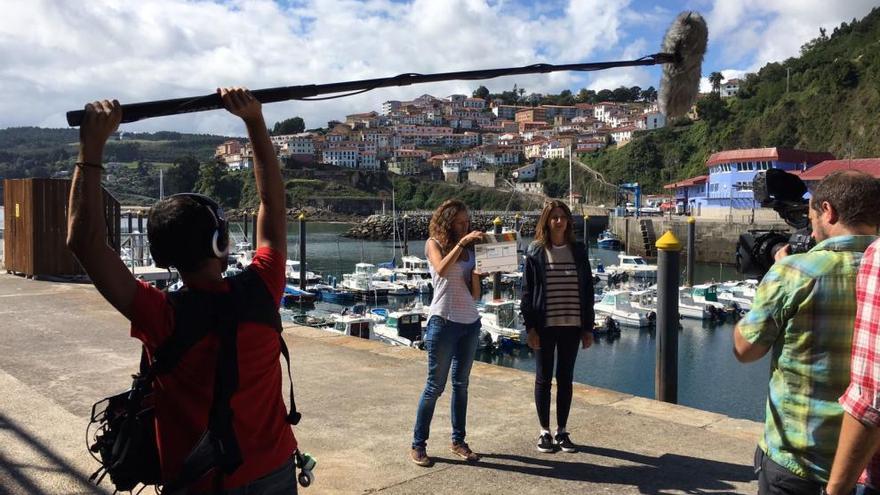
(820, 171)
(780, 154)
(693, 181)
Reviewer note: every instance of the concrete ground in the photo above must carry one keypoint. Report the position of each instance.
(62, 347)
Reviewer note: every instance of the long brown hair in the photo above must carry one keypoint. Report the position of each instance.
(440, 227)
(542, 230)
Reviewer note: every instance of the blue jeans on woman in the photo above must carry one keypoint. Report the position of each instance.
(449, 344)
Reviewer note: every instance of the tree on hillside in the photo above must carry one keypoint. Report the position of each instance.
(715, 79)
(621, 94)
(565, 98)
(712, 109)
(481, 92)
(649, 94)
(289, 126)
(634, 93)
(182, 175)
(585, 96)
(208, 182)
(605, 95)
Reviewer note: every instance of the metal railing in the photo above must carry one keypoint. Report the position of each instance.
(134, 249)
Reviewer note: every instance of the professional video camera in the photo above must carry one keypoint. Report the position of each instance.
(783, 192)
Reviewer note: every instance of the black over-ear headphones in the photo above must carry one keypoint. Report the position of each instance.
(220, 238)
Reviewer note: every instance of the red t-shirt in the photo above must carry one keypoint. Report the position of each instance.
(184, 395)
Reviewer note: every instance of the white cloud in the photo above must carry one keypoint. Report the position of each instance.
(58, 55)
(752, 33)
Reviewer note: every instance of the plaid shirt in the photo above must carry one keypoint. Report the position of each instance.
(862, 397)
(805, 308)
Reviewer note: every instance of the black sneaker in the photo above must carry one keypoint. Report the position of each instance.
(565, 443)
(545, 444)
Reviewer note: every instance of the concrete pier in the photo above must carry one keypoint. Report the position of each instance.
(63, 347)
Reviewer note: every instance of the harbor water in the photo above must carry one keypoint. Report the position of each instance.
(710, 378)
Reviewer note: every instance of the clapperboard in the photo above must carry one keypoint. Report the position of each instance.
(497, 253)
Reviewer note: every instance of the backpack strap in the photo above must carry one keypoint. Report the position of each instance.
(258, 306)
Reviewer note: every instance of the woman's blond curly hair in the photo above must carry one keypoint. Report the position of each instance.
(440, 227)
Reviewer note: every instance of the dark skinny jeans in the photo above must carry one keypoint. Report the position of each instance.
(561, 342)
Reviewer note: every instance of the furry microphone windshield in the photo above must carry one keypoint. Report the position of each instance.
(686, 38)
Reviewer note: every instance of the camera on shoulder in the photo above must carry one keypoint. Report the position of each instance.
(784, 192)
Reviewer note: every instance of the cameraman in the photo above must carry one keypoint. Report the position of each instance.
(189, 232)
(804, 311)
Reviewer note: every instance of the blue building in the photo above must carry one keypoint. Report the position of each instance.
(729, 182)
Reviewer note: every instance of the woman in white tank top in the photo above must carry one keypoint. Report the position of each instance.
(453, 325)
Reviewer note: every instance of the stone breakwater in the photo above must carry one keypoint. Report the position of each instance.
(311, 213)
(380, 227)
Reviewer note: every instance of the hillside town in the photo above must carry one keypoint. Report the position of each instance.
(459, 138)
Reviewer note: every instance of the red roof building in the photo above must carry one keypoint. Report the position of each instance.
(771, 154)
(818, 172)
(693, 181)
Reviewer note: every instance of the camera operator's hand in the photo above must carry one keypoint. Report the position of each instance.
(782, 253)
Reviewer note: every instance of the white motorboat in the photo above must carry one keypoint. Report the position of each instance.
(400, 328)
(501, 320)
(740, 294)
(363, 282)
(292, 271)
(354, 325)
(414, 267)
(635, 266)
(617, 304)
(646, 300)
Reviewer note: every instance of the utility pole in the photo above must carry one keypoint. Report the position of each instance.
(787, 78)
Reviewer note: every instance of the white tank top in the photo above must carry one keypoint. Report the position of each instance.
(452, 295)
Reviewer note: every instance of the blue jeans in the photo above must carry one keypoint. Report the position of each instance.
(449, 344)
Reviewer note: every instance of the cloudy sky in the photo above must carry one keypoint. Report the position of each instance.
(57, 54)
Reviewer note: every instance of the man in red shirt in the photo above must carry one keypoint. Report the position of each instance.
(188, 232)
(860, 432)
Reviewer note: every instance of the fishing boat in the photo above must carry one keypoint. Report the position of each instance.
(293, 296)
(501, 320)
(400, 328)
(707, 295)
(292, 272)
(333, 295)
(617, 304)
(354, 325)
(362, 282)
(609, 240)
(414, 267)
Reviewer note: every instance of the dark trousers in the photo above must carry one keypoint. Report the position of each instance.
(561, 342)
(774, 479)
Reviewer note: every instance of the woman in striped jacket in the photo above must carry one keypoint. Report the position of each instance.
(557, 307)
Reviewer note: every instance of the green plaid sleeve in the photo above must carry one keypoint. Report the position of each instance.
(764, 321)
